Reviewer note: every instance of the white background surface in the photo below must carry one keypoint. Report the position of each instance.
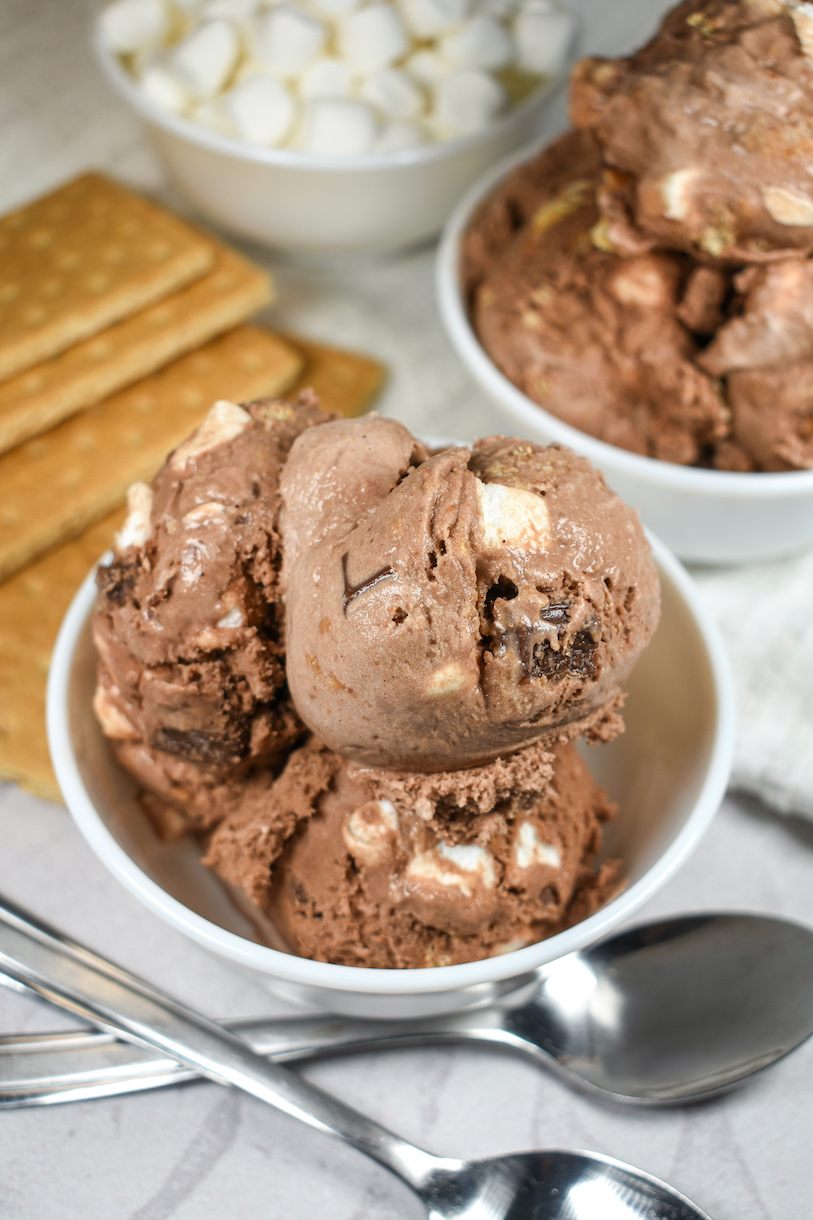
(202, 1152)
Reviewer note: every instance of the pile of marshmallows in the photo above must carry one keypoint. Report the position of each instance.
(338, 77)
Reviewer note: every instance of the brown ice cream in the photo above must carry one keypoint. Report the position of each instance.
(647, 278)
(451, 621)
(596, 339)
(445, 610)
(707, 132)
(388, 870)
(189, 625)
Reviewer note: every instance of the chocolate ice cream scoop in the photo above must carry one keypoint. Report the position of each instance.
(189, 625)
(392, 870)
(445, 610)
(708, 132)
(594, 338)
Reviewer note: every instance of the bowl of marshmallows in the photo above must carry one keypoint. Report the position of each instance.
(334, 126)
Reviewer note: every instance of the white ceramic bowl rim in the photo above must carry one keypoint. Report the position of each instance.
(196, 133)
(725, 484)
(367, 980)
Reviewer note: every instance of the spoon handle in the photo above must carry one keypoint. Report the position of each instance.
(90, 986)
(40, 1069)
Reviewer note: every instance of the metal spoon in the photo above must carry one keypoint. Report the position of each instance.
(552, 1185)
(671, 1011)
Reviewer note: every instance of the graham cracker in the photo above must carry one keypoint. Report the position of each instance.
(81, 258)
(41, 397)
(54, 486)
(32, 605)
(346, 382)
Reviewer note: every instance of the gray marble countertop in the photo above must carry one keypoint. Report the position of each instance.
(202, 1152)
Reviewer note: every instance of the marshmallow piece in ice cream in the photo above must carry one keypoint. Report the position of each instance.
(206, 59)
(444, 610)
(542, 31)
(262, 109)
(288, 39)
(338, 127)
(394, 94)
(137, 526)
(372, 38)
(430, 18)
(481, 43)
(132, 25)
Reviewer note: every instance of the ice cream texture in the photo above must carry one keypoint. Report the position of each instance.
(189, 624)
(647, 277)
(443, 610)
(354, 668)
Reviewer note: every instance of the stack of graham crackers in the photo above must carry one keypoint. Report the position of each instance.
(120, 325)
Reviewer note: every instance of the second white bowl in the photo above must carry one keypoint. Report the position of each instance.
(705, 516)
(306, 204)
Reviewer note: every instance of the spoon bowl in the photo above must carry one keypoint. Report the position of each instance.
(551, 1185)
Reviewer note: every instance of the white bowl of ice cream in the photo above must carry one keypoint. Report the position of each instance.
(667, 772)
(705, 516)
(338, 182)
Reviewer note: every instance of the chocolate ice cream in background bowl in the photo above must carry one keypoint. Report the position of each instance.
(334, 128)
(642, 288)
(454, 620)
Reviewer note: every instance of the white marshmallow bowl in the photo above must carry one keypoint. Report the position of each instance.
(704, 516)
(668, 772)
(304, 204)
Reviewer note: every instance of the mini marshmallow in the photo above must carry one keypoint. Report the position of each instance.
(206, 59)
(211, 113)
(512, 517)
(288, 39)
(327, 77)
(481, 43)
(394, 94)
(335, 9)
(224, 421)
(162, 86)
(429, 18)
(132, 25)
(262, 110)
(428, 67)
(372, 38)
(240, 11)
(398, 137)
(499, 9)
(468, 101)
(138, 525)
(542, 32)
(338, 127)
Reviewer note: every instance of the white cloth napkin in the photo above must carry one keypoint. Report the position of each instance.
(765, 614)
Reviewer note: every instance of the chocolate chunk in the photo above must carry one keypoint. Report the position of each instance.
(196, 746)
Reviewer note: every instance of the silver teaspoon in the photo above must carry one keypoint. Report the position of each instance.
(549, 1185)
(668, 1012)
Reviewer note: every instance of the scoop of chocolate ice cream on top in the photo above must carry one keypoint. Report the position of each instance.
(189, 625)
(444, 610)
(708, 132)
